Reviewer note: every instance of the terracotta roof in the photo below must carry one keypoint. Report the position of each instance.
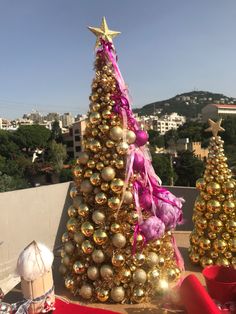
(224, 106)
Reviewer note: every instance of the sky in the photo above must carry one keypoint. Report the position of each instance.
(167, 47)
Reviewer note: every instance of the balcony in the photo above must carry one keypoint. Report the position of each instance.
(40, 214)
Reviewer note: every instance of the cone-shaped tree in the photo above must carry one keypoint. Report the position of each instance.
(118, 246)
(213, 239)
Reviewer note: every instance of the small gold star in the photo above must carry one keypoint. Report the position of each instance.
(103, 32)
(214, 127)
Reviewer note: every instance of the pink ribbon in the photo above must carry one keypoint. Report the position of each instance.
(178, 256)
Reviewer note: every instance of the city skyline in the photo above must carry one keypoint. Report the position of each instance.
(165, 48)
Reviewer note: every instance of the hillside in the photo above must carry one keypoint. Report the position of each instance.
(187, 104)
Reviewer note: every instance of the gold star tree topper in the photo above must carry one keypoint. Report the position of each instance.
(103, 32)
(215, 127)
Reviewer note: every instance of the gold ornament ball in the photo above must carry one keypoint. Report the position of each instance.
(138, 295)
(110, 144)
(116, 133)
(65, 237)
(87, 228)
(105, 186)
(95, 117)
(201, 184)
(220, 245)
(222, 261)
(205, 196)
(138, 259)
(91, 164)
(194, 257)
(114, 202)
(119, 240)
(86, 186)
(95, 146)
(231, 226)
(106, 271)
(99, 165)
(83, 158)
(214, 254)
(118, 260)
(125, 275)
(106, 114)
(100, 237)
(161, 261)
(229, 207)
(96, 106)
(115, 227)
(79, 237)
(62, 269)
(194, 238)
(213, 188)
(152, 259)
(130, 137)
(87, 247)
(77, 201)
(232, 244)
(200, 204)
(73, 192)
(153, 275)
(72, 224)
(171, 274)
(108, 173)
(117, 185)
(209, 215)
(201, 223)
(79, 267)
(228, 254)
(93, 273)
(86, 291)
(98, 256)
(117, 294)
(213, 206)
(228, 187)
(98, 217)
(212, 235)
(69, 282)
(77, 171)
(102, 294)
(95, 179)
(88, 173)
(226, 236)
(128, 197)
(223, 217)
(72, 211)
(119, 164)
(139, 276)
(83, 210)
(69, 247)
(122, 148)
(204, 243)
(216, 225)
(206, 261)
(101, 198)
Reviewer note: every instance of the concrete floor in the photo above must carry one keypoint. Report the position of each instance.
(182, 238)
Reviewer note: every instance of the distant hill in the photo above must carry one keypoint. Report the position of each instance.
(187, 104)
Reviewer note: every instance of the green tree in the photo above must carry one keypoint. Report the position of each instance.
(155, 139)
(162, 165)
(188, 168)
(8, 148)
(57, 155)
(56, 133)
(9, 183)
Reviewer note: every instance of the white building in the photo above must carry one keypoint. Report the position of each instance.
(168, 122)
(216, 111)
(67, 119)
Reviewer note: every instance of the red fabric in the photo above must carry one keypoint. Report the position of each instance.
(62, 307)
(195, 298)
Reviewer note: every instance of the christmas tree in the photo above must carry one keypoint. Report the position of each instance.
(213, 240)
(118, 246)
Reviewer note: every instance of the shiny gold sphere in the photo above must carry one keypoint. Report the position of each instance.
(231, 226)
(114, 202)
(223, 217)
(87, 247)
(91, 164)
(100, 166)
(226, 236)
(125, 275)
(72, 224)
(88, 173)
(79, 237)
(138, 295)
(72, 211)
(86, 186)
(105, 186)
(69, 247)
(116, 133)
(153, 275)
(95, 179)
(104, 128)
(117, 294)
(83, 158)
(118, 260)
(220, 245)
(162, 287)
(95, 146)
(65, 237)
(128, 197)
(205, 196)
(233, 261)
(98, 256)
(209, 215)
(228, 187)
(83, 210)
(106, 114)
(130, 137)
(161, 261)
(69, 282)
(139, 259)
(77, 171)
(117, 185)
(232, 244)
(119, 240)
(152, 259)
(201, 184)
(86, 291)
(213, 206)
(98, 217)
(212, 235)
(95, 117)
(115, 227)
(95, 107)
(222, 261)
(93, 273)
(171, 274)
(194, 257)
(100, 237)
(216, 225)
(206, 261)
(101, 198)
(201, 223)
(221, 197)
(102, 294)
(110, 144)
(213, 188)
(119, 164)
(122, 148)
(194, 238)
(200, 204)
(73, 192)
(228, 254)
(139, 276)
(205, 243)
(108, 173)
(87, 228)
(214, 254)
(79, 267)
(229, 207)
(106, 271)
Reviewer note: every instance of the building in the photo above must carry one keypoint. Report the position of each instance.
(4, 124)
(184, 144)
(216, 111)
(74, 138)
(168, 122)
(67, 120)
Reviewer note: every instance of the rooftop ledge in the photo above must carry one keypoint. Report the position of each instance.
(40, 214)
